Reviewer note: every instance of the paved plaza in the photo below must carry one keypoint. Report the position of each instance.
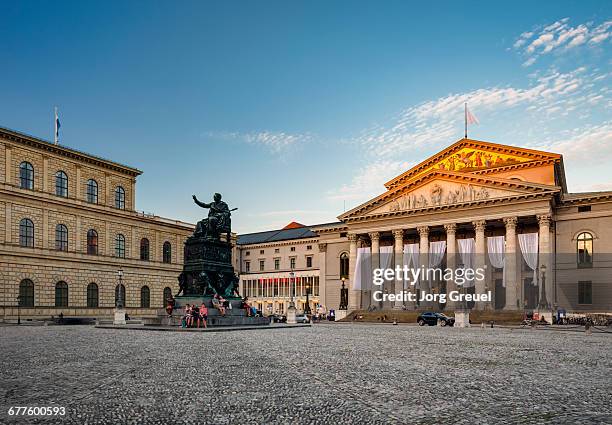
(330, 373)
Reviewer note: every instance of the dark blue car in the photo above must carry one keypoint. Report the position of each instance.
(430, 318)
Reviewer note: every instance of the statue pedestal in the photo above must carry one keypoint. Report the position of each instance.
(462, 318)
(119, 316)
(291, 313)
(340, 314)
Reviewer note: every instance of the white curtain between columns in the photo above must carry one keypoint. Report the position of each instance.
(411, 260)
(386, 257)
(467, 247)
(496, 247)
(436, 254)
(529, 249)
(363, 269)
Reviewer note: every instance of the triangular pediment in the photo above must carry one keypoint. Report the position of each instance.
(469, 155)
(439, 188)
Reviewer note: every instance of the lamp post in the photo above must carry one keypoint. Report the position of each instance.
(307, 307)
(119, 307)
(343, 296)
(543, 304)
(19, 309)
(120, 303)
(291, 313)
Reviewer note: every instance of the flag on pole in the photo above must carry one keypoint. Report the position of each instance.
(470, 118)
(57, 126)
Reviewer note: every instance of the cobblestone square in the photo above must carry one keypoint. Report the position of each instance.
(330, 373)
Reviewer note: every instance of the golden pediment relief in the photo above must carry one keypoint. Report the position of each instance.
(470, 159)
(442, 192)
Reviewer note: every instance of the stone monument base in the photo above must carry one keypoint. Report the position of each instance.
(462, 318)
(339, 315)
(291, 315)
(119, 317)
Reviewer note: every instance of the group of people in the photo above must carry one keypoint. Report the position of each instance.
(193, 315)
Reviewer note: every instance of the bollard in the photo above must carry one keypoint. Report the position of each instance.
(492, 324)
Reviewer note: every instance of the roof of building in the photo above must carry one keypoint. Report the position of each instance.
(292, 231)
(27, 139)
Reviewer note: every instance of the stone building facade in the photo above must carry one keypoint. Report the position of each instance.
(69, 228)
(278, 265)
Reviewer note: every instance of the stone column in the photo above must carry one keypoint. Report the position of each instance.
(375, 251)
(323, 275)
(512, 285)
(8, 166)
(354, 295)
(45, 230)
(423, 254)
(545, 255)
(479, 263)
(78, 184)
(398, 236)
(8, 222)
(451, 253)
(45, 177)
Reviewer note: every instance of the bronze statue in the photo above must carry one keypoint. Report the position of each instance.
(218, 220)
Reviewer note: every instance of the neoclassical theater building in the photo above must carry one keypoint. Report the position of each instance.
(72, 241)
(509, 204)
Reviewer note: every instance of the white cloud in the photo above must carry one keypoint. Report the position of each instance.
(370, 180)
(275, 142)
(590, 144)
(436, 121)
(559, 36)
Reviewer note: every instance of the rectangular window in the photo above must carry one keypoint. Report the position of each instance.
(261, 251)
(585, 292)
(276, 251)
(584, 208)
(247, 253)
(292, 262)
(247, 266)
(309, 261)
(292, 249)
(277, 264)
(309, 247)
(261, 265)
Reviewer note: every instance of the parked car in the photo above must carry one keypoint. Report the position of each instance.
(430, 318)
(277, 318)
(302, 318)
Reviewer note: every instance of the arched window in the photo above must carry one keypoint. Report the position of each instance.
(167, 295)
(92, 191)
(26, 175)
(61, 237)
(145, 297)
(26, 293)
(120, 246)
(167, 252)
(119, 295)
(120, 198)
(584, 249)
(344, 265)
(61, 294)
(144, 249)
(92, 295)
(92, 242)
(26, 233)
(61, 184)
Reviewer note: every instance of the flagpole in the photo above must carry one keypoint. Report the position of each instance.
(55, 124)
(465, 117)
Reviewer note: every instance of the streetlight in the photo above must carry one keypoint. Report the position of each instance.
(343, 296)
(120, 290)
(307, 307)
(543, 304)
(292, 279)
(19, 309)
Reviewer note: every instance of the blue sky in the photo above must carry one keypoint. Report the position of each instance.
(293, 110)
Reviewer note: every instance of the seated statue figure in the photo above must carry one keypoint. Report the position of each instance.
(218, 220)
